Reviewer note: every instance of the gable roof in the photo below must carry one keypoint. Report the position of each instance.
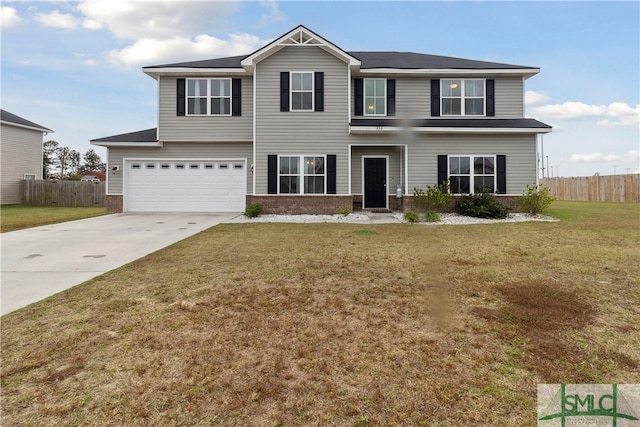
(360, 61)
(11, 119)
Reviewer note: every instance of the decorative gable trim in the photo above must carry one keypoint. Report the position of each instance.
(299, 36)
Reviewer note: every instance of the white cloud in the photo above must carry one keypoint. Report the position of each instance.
(532, 98)
(612, 115)
(154, 51)
(169, 31)
(275, 15)
(9, 17)
(137, 20)
(631, 156)
(56, 19)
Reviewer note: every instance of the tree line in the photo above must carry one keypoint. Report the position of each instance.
(61, 162)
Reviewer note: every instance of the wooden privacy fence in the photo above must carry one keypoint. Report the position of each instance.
(63, 193)
(609, 188)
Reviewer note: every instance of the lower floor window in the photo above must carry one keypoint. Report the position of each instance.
(472, 174)
(302, 174)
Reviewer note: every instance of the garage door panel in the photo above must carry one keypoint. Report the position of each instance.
(185, 186)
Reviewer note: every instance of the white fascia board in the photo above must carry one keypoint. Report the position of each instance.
(151, 144)
(182, 71)
(526, 73)
(397, 129)
(43, 130)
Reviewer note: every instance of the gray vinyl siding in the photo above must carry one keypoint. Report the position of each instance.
(300, 133)
(509, 96)
(520, 152)
(203, 128)
(21, 154)
(176, 151)
(413, 98)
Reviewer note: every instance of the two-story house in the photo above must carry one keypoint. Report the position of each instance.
(20, 155)
(302, 126)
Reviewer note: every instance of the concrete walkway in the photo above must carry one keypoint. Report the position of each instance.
(40, 262)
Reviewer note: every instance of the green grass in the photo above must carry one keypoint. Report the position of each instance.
(337, 324)
(18, 217)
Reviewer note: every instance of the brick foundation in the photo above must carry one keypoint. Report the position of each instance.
(113, 203)
(297, 205)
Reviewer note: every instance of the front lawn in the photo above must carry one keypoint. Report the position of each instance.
(337, 324)
(17, 217)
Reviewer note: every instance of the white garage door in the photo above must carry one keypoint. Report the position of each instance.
(185, 186)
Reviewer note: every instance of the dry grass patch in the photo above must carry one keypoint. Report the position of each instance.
(19, 217)
(335, 324)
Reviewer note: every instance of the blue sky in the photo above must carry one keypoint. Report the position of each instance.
(75, 67)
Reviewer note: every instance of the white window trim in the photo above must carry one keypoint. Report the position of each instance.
(364, 98)
(472, 174)
(301, 175)
(462, 98)
(313, 91)
(30, 175)
(209, 97)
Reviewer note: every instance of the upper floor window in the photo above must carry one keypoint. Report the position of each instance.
(302, 91)
(375, 98)
(463, 97)
(209, 97)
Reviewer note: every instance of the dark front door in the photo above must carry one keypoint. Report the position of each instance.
(375, 182)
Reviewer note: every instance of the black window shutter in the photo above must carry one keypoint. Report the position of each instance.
(180, 97)
(331, 174)
(443, 173)
(272, 174)
(435, 98)
(284, 91)
(319, 90)
(491, 102)
(236, 97)
(391, 97)
(359, 96)
(501, 169)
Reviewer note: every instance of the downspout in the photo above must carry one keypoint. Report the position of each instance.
(255, 109)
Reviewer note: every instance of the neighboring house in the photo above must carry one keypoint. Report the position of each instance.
(302, 126)
(21, 153)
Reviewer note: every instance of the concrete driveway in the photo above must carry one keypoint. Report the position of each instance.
(42, 261)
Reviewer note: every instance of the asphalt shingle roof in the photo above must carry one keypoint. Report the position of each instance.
(8, 117)
(147, 135)
(370, 60)
(455, 123)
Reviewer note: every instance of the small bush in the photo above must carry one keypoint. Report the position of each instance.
(412, 217)
(253, 210)
(345, 211)
(431, 216)
(535, 199)
(436, 196)
(482, 205)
